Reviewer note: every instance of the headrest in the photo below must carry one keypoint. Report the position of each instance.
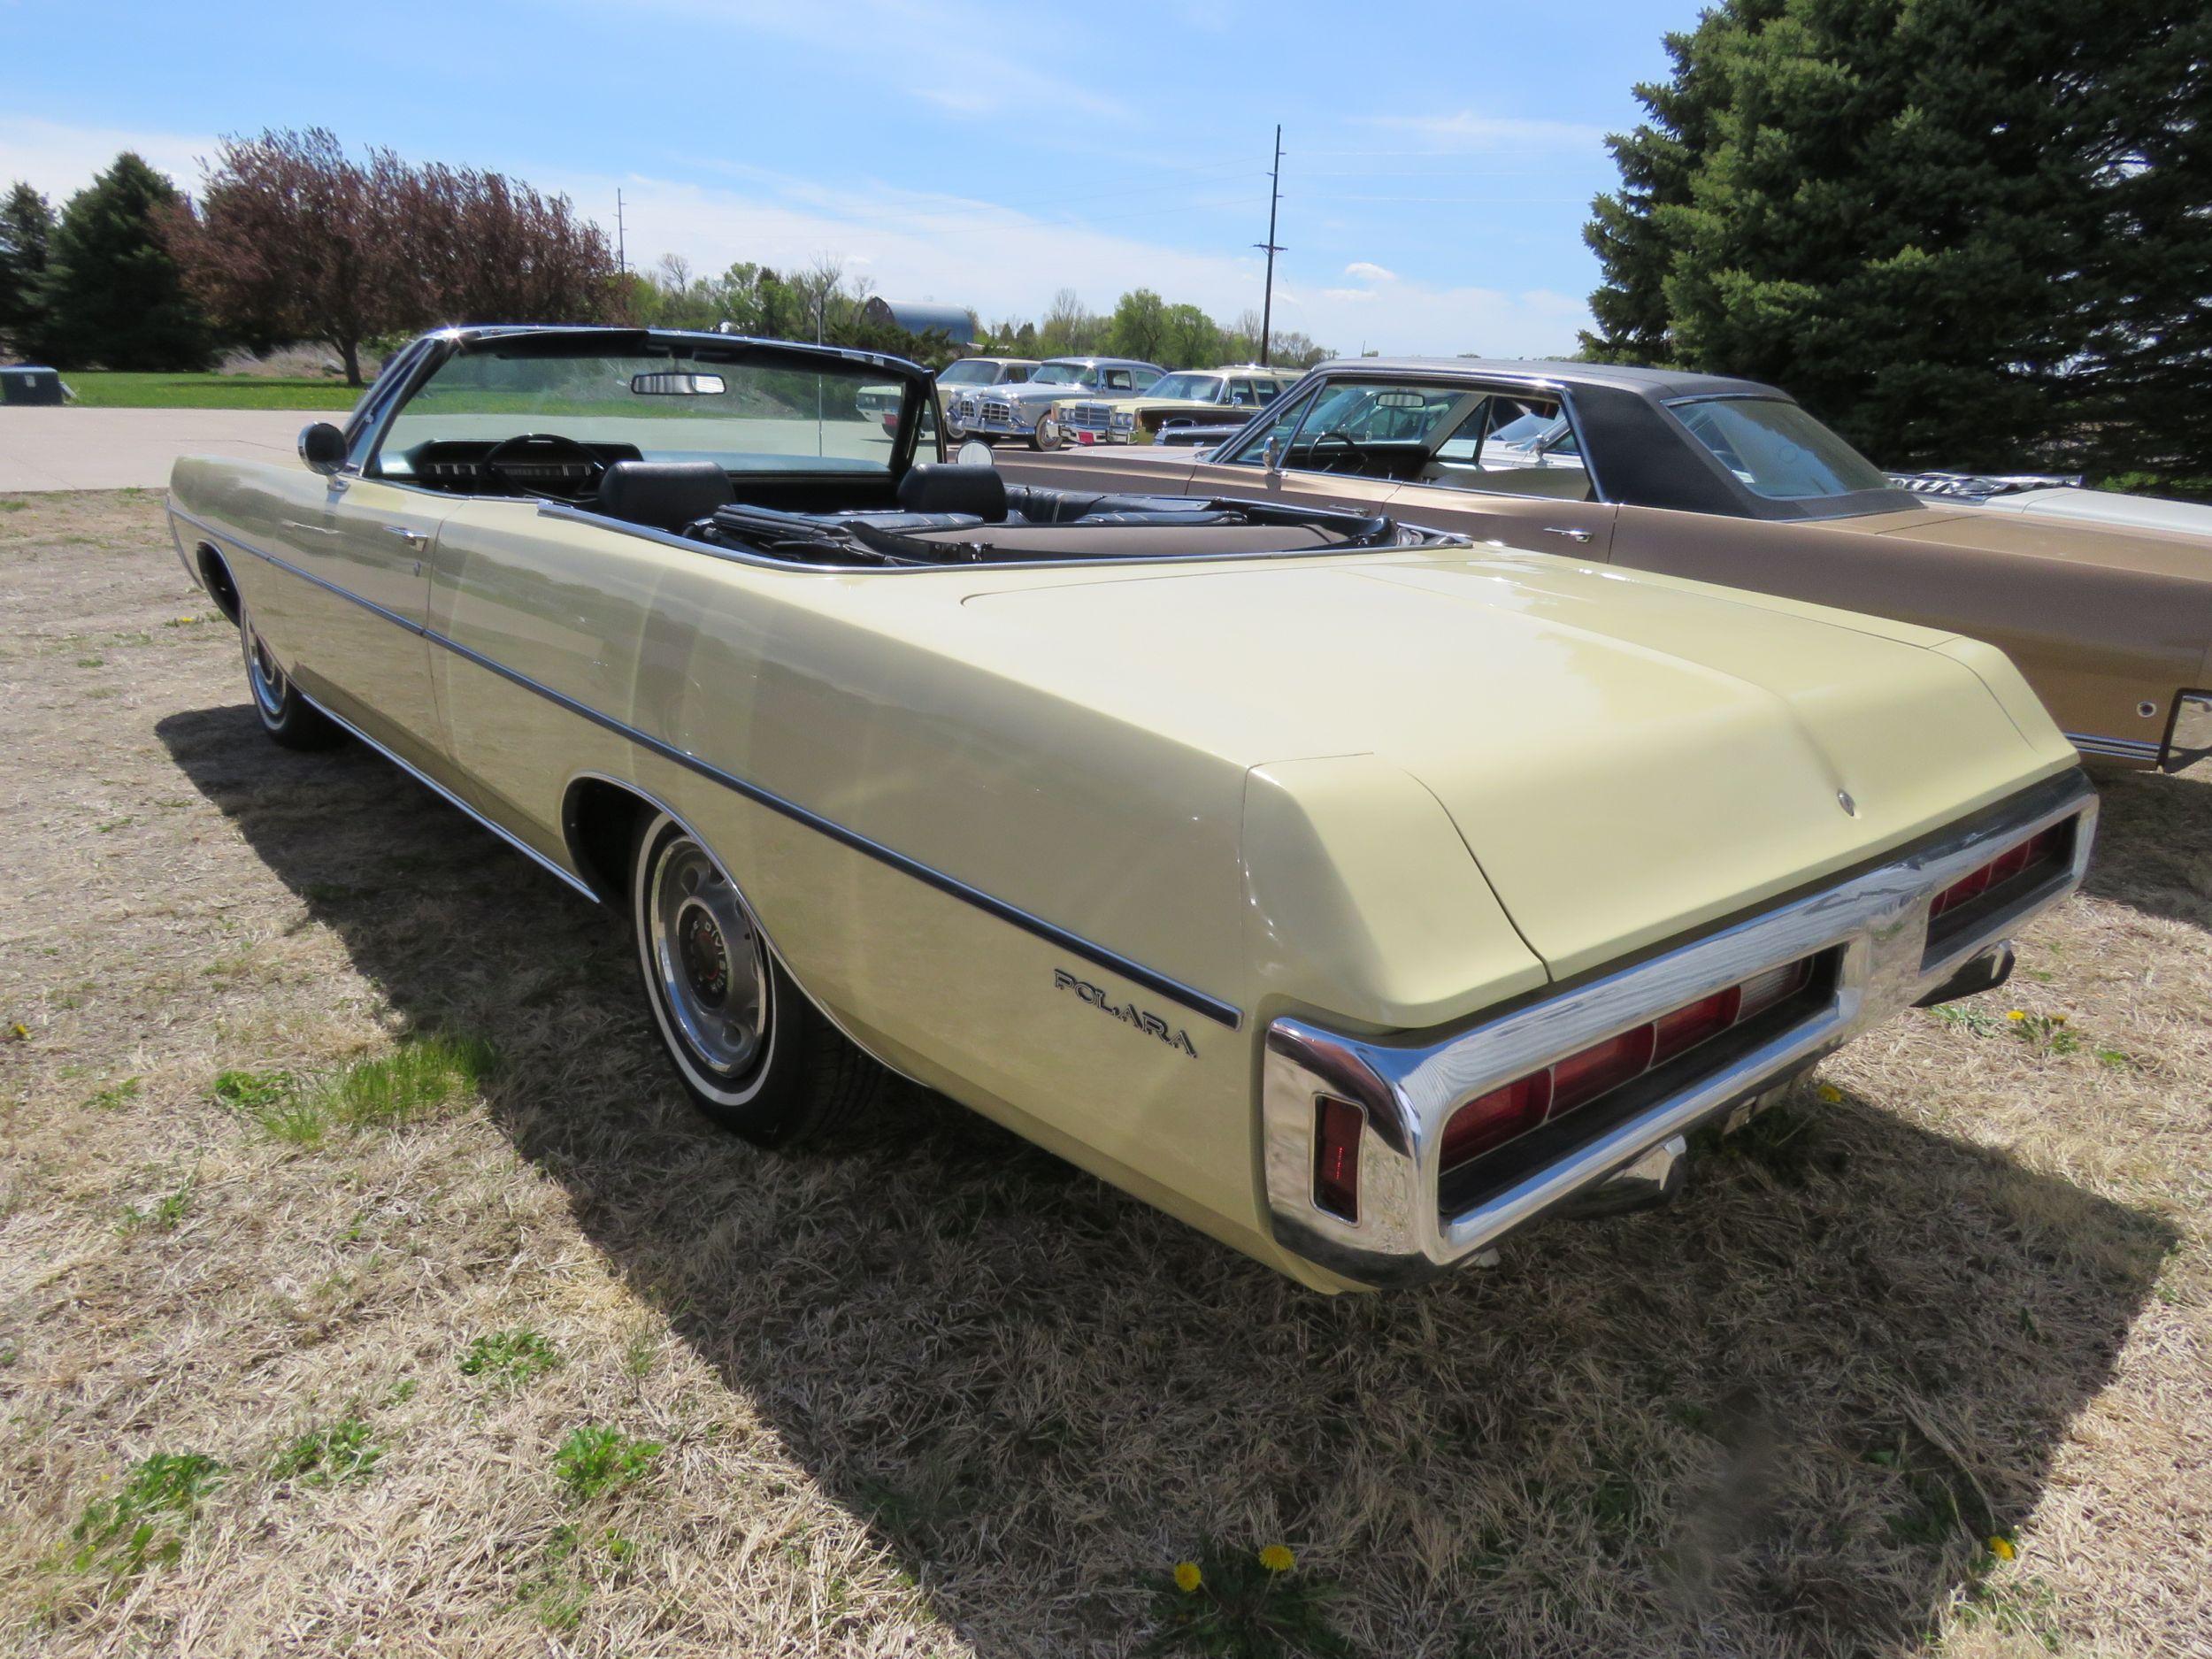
(667, 494)
(939, 486)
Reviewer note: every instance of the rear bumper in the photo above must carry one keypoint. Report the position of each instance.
(1873, 928)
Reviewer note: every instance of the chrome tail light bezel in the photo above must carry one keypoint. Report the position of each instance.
(1871, 929)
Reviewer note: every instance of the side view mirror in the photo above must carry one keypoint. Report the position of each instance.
(975, 452)
(1271, 455)
(323, 447)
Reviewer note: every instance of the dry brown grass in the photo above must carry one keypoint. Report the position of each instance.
(938, 1394)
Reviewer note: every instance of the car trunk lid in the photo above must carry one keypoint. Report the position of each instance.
(1626, 758)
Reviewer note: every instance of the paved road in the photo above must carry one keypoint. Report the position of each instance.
(122, 449)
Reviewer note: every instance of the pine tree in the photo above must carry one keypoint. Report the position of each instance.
(113, 295)
(1965, 235)
(26, 231)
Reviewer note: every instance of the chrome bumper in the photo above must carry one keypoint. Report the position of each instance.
(1873, 928)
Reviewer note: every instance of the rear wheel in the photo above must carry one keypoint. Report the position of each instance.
(751, 1051)
(286, 716)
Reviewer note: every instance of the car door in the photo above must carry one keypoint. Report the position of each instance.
(365, 547)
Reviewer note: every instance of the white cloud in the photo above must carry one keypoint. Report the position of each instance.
(60, 160)
(961, 251)
(933, 246)
(1468, 132)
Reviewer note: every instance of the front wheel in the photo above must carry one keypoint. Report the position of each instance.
(754, 1054)
(1045, 433)
(286, 716)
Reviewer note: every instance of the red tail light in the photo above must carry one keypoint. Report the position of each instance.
(2045, 847)
(1493, 1119)
(1336, 1132)
(1581, 1078)
(1490, 1120)
(1687, 1027)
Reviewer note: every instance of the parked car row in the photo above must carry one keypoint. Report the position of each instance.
(1432, 855)
(1028, 407)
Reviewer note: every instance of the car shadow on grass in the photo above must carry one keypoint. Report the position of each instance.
(1783, 1415)
(2154, 849)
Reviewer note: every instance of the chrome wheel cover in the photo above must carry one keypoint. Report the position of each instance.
(709, 961)
(262, 675)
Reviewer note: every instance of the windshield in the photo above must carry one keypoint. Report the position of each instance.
(1778, 450)
(969, 371)
(1197, 388)
(748, 416)
(1065, 374)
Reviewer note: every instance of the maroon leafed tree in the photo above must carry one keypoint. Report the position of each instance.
(291, 238)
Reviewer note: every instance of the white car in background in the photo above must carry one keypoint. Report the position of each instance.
(2037, 495)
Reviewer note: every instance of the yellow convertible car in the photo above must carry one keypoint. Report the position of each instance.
(1355, 892)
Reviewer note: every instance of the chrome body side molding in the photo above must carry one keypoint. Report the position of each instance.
(1212, 1007)
(447, 797)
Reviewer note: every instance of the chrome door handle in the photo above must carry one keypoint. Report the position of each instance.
(1571, 534)
(415, 539)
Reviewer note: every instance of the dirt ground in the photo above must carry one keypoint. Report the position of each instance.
(276, 1386)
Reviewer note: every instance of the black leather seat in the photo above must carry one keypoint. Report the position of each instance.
(667, 495)
(941, 486)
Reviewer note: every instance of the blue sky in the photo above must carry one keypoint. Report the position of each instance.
(1438, 158)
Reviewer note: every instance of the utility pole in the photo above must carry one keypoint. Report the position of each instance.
(1274, 195)
(621, 251)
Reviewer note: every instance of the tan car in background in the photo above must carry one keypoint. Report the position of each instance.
(1188, 397)
(1727, 481)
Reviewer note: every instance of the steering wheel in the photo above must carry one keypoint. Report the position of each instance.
(1350, 444)
(546, 449)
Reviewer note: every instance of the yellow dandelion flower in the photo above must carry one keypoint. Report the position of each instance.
(1278, 1558)
(1187, 1577)
(2002, 1548)
(2058, 1019)
(1830, 1093)
(2015, 1013)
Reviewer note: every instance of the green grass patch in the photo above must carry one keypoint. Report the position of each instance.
(143, 1524)
(273, 1101)
(115, 1095)
(512, 1357)
(106, 388)
(597, 1460)
(167, 1211)
(326, 1456)
(417, 1080)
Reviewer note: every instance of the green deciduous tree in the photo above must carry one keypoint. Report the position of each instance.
(1139, 326)
(1966, 234)
(27, 232)
(114, 297)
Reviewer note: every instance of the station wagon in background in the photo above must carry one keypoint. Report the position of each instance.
(1188, 397)
(1031, 411)
(1727, 481)
(1355, 892)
